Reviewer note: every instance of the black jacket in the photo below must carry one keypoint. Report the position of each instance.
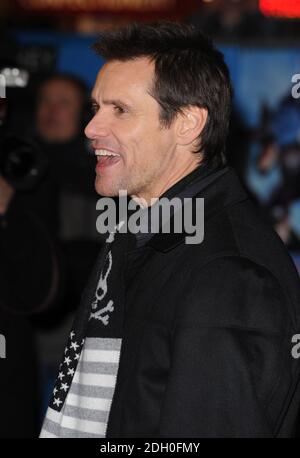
(207, 343)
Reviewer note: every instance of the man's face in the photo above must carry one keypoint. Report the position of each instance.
(126, 123)
(58, 111)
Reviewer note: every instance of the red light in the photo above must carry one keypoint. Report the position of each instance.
(283, 8)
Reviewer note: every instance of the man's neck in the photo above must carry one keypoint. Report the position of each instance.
(146, 200)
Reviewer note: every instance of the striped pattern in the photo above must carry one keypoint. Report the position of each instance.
(87, 405)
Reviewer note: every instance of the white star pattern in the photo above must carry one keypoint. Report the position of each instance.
(67, 360)
(64, 386)
(74, 345)
(57, 402)
(67, 369)
(61, 375)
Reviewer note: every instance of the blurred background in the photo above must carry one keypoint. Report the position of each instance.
(47, 169)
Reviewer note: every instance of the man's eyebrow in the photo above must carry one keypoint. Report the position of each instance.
(117, 102)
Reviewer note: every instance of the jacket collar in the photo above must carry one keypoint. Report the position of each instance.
(219, 188)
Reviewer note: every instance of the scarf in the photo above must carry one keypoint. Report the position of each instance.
(82, 395)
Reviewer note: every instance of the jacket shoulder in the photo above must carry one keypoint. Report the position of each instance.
(233, 291)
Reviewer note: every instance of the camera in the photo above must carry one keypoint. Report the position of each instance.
(22, 162)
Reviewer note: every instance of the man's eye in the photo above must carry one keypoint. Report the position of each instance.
(95, 107)
(119, 110)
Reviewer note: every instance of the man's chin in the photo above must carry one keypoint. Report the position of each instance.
(106, 189)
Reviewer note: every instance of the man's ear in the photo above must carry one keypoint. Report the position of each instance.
(190, 124)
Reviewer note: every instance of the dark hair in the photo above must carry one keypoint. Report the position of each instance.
(188, 71)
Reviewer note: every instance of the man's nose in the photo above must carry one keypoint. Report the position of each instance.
(97, 127)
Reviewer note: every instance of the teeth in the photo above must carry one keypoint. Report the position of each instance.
(104, 152)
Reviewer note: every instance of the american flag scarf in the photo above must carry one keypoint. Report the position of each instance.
(83, 392)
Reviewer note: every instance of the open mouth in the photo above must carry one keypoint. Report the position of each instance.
(106, 158)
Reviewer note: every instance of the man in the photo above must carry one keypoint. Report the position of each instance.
(177, 339)
(30, 284)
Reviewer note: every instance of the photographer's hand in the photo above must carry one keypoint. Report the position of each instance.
(6, 194)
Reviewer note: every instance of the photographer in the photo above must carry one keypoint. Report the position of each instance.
(30, 283)
(31, 279)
